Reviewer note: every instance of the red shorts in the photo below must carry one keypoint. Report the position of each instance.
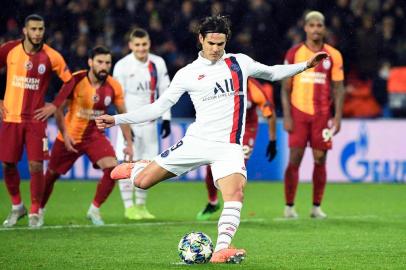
(96, 148)
(309, 129)
(13, 137)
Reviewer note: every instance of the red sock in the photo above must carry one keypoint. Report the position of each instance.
(37, 185)
(50, 179)
(211, 189)
(291, 182)
(104, 188)
(319, 182)
(12, 181)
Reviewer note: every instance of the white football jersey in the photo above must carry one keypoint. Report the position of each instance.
(218, 91)
(142, 82)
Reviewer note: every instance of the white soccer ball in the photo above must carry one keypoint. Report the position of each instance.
(195, 247)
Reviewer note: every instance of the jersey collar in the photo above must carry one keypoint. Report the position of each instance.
(206, 61)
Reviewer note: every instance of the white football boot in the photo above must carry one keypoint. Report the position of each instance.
(290, 212)
(317, 213)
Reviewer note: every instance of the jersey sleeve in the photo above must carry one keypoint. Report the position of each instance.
(164, 82)
(118, 74)
(118, 92)
(290, 57)
(59, 65)
(337, 71)
(260, 97)
(273, 73)
(4, 50)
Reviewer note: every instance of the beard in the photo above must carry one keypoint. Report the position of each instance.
(101, 75)
(35, 45)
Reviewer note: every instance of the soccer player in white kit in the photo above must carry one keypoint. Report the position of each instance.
(217, 84)
(144, 77)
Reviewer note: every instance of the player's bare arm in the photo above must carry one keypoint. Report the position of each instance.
(126, 129)
(316, 59)
(339, 93)
(3, 110)
(60, 122)
(285, 99)
(105, 121)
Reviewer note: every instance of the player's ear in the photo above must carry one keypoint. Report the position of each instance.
(90, 62)
(24, 31)
(201, 38)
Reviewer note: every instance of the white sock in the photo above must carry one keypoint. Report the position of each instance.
(140, 196)
(17, 206)
(94, 208)
(228, 224)
(214, 202)
(126, 191)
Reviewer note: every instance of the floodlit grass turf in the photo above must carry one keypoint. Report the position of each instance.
(366, 229)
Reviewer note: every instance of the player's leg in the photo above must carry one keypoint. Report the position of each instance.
(298, 139)
(213, 204)
(319, 182)
(320, 143)
(232, 190)
(125, 186)
(37, 151)
(146, 145)
(60, 162)
(11, 138)
(291, 181)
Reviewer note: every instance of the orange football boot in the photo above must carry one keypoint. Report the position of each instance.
(122, 171)
(228, 255)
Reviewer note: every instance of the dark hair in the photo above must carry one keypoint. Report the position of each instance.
(215, 24)
(33, 17)
(138, 33)
(98, 50)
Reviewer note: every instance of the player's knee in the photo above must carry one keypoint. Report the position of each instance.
(142, 181)
(320, 158)
(35, 166)
(9, 166)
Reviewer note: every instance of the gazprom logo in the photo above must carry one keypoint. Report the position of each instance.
(359, 167)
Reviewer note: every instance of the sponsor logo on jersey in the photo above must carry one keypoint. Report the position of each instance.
(41, 69)
(28, 83)
(223, 89)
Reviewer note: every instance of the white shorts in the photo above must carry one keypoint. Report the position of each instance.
(145, 145)
(191, 152)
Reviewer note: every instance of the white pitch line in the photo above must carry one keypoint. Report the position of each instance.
(355, 217)
(114, 225)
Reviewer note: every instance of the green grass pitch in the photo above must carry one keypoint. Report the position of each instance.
(365, 229)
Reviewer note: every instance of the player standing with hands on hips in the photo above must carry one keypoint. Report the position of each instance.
(217, 84)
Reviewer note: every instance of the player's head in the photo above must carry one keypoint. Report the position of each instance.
(140, 43)
(34, 29)
(100, 62)
(314, 26)
(214, 32)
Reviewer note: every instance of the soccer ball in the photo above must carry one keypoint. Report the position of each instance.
(195, 247)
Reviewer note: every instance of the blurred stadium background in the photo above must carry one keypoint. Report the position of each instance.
(370, 34)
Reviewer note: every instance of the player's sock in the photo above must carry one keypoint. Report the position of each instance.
(50, 179)
(319, 183)
(211, 188)
(126, 192)
(140, 196)
(104, 188)
(228, 224)
(291, 182)
(17, 206)
(12, 181)
(37, 187)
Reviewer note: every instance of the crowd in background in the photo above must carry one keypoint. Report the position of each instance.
(371, 34)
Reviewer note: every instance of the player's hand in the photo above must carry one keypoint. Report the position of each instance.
(3, 110)
(316, 59)
(128, 152)
(69, 143)
(43, 113)
(104, 121)
(271, 150)
(336, 125)
(288, 123)
(165, 128)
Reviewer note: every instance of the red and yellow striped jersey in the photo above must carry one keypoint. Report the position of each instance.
(259, 96)
(28, 77)
(87, 103)
(311, 88)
